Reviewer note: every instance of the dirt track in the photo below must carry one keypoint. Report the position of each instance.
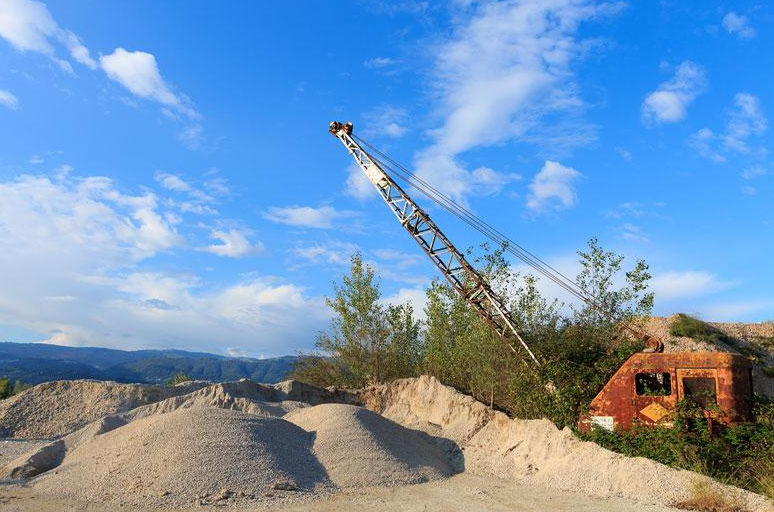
(461, 493)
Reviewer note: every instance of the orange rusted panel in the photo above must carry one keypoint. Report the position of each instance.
(646, 388)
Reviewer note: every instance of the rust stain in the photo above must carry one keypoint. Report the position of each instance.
(648, 385)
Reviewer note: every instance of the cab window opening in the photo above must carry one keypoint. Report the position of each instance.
(653, 384)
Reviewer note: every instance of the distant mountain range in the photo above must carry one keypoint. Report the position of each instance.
(33, 363)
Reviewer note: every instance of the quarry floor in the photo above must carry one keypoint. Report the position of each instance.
(460, 493)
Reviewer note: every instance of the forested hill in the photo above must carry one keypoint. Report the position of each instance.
(38, 362)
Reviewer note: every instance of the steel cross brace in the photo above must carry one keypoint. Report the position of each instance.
(452, 263)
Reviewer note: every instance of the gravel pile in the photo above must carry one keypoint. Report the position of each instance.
(360, 448)
(533, 452)
(54, 409)
(190, 456)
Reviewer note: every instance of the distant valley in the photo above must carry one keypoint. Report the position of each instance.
(33, 363)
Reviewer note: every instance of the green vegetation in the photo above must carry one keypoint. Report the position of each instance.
(690, 327)
(179, 378)
(742, 455)
(579, 349)
(705, 498)
(367, 341)
(7, 389)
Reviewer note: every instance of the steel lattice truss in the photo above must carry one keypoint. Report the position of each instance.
(451, 262)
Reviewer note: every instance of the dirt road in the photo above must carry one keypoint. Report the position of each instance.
(461, 493)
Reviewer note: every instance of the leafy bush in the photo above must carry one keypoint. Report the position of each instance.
(7, 389)
(690, 327)
(179, 378)
(366, 341)
(741, 455)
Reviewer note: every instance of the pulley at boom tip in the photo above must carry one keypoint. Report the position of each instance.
(336, 127)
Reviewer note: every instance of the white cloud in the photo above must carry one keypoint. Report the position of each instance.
(739, 311)
(9, 100)
(29, 26)
(753, 172)
(745, 121)
(74, 258)
(678, 285)
(358, 185)
(306, 216)
(417, 297)
(553, 188)
(334, 252)
(233, 244)
(198, 201)
(172, 182)
(633, 233)
(378, 62)
(703, 142)
(624, 153)
(669, 102)
(506, 66)
(139, 73)
(386, 121)
(738, 24)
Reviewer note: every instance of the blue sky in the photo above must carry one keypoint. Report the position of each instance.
(167, 179)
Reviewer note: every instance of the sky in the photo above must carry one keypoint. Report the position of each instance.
(167, 179)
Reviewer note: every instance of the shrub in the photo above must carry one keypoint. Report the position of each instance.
(705, 498)
(690, 327)
(179, 378)
(6, 389)
(366, 340)
(741, 455)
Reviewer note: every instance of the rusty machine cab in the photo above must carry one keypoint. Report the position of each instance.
(645, 390)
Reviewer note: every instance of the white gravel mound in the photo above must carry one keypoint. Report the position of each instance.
(195, 455)
(359, 448)
(533, 452)
(54, 409)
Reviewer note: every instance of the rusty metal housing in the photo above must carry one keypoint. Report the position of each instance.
(647, 387)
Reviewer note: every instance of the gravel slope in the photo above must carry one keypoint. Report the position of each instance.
(359, 448)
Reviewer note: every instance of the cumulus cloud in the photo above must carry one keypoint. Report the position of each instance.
(357, 184)
(306, 216)
(739, 25)
(417, 297)
(139, 73)
(194, 199)
(29, 26)
(8, 100)
(385, 121)
(669, 102)
(331, 252)
(746, 120)
(76, 264)
(684, 284)
(553, 188)
(233, 244)
(506, 66)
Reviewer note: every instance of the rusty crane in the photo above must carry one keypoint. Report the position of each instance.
(648, 385)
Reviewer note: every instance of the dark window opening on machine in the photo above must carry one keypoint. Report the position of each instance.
(700, 390)
(653, 384)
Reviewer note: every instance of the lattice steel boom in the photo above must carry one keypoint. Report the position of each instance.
(451, 262)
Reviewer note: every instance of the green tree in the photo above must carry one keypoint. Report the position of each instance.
(179, 378)
(578, 352)
(366, 340)
(6, 389)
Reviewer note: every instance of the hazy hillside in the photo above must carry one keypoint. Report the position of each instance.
(37, 362)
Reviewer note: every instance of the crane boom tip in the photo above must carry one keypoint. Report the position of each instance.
(336, 127)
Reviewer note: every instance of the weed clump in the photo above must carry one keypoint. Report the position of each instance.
(705, 498)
